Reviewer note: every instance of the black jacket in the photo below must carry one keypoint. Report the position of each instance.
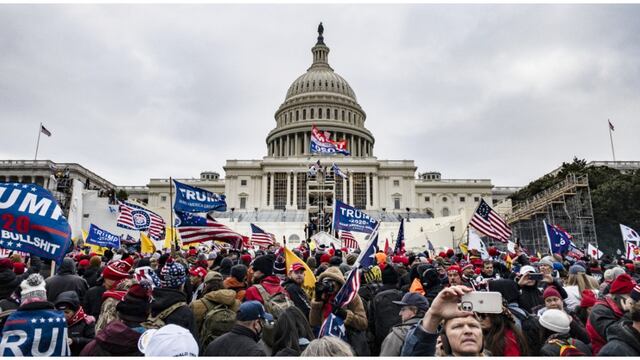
(622, 340)
(91, 275)
(298, 296)
(83, 331)
(66, 280)
(240, 341)
(530, 297)
(8, 283)
(182, 316)
(93, 300)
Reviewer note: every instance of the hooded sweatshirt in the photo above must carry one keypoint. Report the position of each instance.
(66, 280)
(117, 339)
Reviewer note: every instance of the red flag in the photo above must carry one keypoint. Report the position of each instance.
(386, 246)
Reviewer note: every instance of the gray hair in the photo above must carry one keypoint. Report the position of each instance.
(328, 346)
(613, 273)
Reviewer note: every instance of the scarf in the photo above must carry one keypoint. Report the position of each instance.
(116, 294)
(79, 316)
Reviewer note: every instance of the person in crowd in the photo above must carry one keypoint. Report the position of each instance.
(328, 346)
(293, 285)
(454, 275)
(110, 300)
(196, 277)
(214, 312)
(354, 315)
(501, 334)
(530, 294)
(384, 309)
(66, 279)
(237, 280)
(412, 309)
(609, 276)
(582, 311)
(623, 337)
(112, 274)
(488, 270)
(34, 307)
(225, 267)
(169, 300)
(371, 283)
(9, 282)
(81, 327)
(555, 328)
(461, 330)
(120, 337)
(431, 283)
(609, 310)
(576, 283)
(510, 296)
(265, 282)
(92, 273)
(468, 275)
(243, 338)
(292, 333)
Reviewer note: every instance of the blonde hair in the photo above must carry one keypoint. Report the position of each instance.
(583, 281)
(328, 346)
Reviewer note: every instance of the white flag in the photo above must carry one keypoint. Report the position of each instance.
(632, 251)
(476, 243)
(594, 252)
(628, 234)
(511, 246)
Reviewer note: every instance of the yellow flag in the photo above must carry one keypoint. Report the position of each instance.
(508, 261)
(84, 235)
(168, 237)
(312, 245)
(146, 244)
(94, 248)
(309, 283)
(464, 248)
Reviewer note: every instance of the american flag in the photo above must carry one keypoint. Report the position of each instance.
(348, 241)
(487, 221)
(261, 238)
(195, 229)
(135, 217)
(349, 290)
(399, 249)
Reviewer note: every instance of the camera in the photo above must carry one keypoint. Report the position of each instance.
(328, 285)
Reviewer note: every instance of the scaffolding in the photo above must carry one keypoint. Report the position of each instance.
(566, 204)
(321, 190)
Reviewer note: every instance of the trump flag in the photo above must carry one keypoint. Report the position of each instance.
(196, 200)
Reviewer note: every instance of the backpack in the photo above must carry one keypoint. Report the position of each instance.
(156, 322)
(274, 304)
(385, 312)
(218, 320)
(567, 347)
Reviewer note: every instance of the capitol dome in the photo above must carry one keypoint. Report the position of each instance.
(321, 97)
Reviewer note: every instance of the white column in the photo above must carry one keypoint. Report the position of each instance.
(367, 190)
(350, 189)
(295, 186)
(344, 190)
(288, 197)
(376, 201)
(296, 144)
(306, 143)
(271, 205)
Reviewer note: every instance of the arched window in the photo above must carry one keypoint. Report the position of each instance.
(445, 211)
(328, 113)
(342, 115)
(304, 114)
(335, 114)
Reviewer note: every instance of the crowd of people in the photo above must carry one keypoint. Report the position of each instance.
(210, 302)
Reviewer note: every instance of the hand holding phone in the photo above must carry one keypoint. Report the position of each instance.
(485, 302)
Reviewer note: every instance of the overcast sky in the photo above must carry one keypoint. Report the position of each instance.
(504, 92)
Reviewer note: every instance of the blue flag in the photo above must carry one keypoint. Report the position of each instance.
(367, 257)
(349, 290)
(103, 238)
(196, 200)
(32, 221)
(333, 326)
(399, 248)
(35, 333)
(348, 218)
(559, 239)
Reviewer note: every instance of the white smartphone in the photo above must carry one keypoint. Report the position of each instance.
(485, 302)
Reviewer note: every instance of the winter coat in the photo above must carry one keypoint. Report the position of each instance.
(163, 298)
(604, 314)
(93, 300)
(117, 339)
(419, 342)
(236, 285)
(8, 283)
(552, 349)
(530, 297)
(82, 331)
(392, 344)
(383, 314)
(91, 275)
(66, 280)
(574, 297)
(240, 341)
(298, 296)
(356, 315)
(270, 283)
(223, 296)
(622, 340)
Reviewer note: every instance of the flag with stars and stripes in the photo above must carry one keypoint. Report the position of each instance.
(488, 222)
(348, 240)
(399, 248)
(40, 333)
(196, 229)
(261, 238)
(135, 217)
(333, 326)
(349, 290)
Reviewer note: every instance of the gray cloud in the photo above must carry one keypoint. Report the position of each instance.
(505, 92)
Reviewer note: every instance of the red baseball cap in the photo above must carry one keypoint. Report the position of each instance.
(296, 266)
(198, 271)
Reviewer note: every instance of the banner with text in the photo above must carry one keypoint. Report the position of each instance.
(32, 221)
(102, 238)
(196, 200)
(348, 218)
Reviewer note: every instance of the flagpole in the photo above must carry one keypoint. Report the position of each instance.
(38, 143)
(611, 138)
(173, 237)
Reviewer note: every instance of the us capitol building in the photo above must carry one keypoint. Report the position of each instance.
(277, 193)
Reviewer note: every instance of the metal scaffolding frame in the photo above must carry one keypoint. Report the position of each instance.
(567, 204)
